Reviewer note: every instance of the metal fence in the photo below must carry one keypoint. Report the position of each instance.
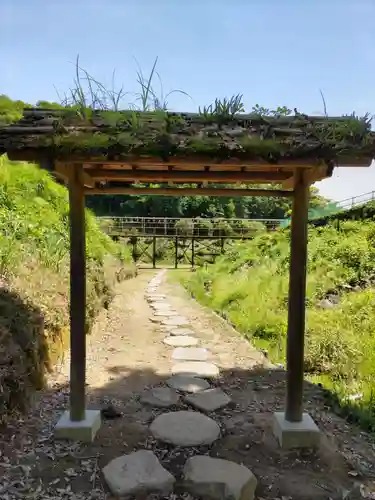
(185, 227)
(356, 201)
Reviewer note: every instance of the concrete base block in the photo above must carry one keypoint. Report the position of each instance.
(304, 434)
(84, 430)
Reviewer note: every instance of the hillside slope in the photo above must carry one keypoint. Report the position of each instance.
(249, 287)
(34, 277)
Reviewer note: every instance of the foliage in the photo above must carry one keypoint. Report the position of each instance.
(219, 131)
(10, 111)
(249, 286)
(197, 206)
(96, 96)
(34, 276)
(223, 109)
(331, 213)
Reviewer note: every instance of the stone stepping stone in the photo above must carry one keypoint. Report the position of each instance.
(180, 331)
(181, 341)
(136, 474)
(156, 319)
(161, 397)
(167, 313)
(208, 400)
(176, 321)
(187, 384)
(160, 305)
(190, 354)
(196, 369)
(218, 479)
(185, 428)
(154, 297)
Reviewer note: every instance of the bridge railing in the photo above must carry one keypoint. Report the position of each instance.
(356, 200)
(185, 227)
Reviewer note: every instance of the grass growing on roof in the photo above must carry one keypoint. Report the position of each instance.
(166, 135)
(91, 124)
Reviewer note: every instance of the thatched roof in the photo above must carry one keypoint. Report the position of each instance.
(123, 136)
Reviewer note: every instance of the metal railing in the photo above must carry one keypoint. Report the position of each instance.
(356, 201)
(184, 227)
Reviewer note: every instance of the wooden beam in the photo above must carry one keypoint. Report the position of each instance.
(193, 252)
(312, 175)
(318, 173)
(296, 300)
(186, 176)
(276, 193)
(190, 161)
(63, 170)
(154, 252)
(34, 155)
(77, 297)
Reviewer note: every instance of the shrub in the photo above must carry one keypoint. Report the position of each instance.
(34, 277)
(249, 286)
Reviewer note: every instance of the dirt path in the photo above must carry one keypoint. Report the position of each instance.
(125, 356)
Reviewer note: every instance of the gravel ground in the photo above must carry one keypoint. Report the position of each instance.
(126, 356)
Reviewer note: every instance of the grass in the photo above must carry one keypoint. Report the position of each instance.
(249, 286)
(219, 135)
(220, 130)
(34, 276)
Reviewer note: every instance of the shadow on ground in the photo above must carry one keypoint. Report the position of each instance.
(23, 351)
(246, 436)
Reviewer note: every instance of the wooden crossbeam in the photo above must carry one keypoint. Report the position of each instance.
(63, 170)
(277, 193)
(186, 176)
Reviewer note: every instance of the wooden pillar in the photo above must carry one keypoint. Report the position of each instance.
(77, 296)
(296, 300)
(192, 251)
(175, 252)
(135, 249)
(154, 252)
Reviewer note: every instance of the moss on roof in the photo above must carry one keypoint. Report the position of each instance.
(124, 135)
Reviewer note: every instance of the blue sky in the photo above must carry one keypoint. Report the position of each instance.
(275, 52)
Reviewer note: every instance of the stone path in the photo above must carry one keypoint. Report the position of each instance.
(145, 409)
(140, 471)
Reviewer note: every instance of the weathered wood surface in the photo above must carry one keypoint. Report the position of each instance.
(274, 140)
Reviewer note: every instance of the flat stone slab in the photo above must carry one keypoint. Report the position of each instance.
(154, 297)
(180, 331)
(187, 384)
(161, 397)
(156, 319)
(84, 430)
(196, 369)
(217, 479)
(208, 400)
(167, 313)
(160, 305)
(190, 354)
(304, 434)
(136, 474)
(185, 428)
(180, 341)
(176, 321)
